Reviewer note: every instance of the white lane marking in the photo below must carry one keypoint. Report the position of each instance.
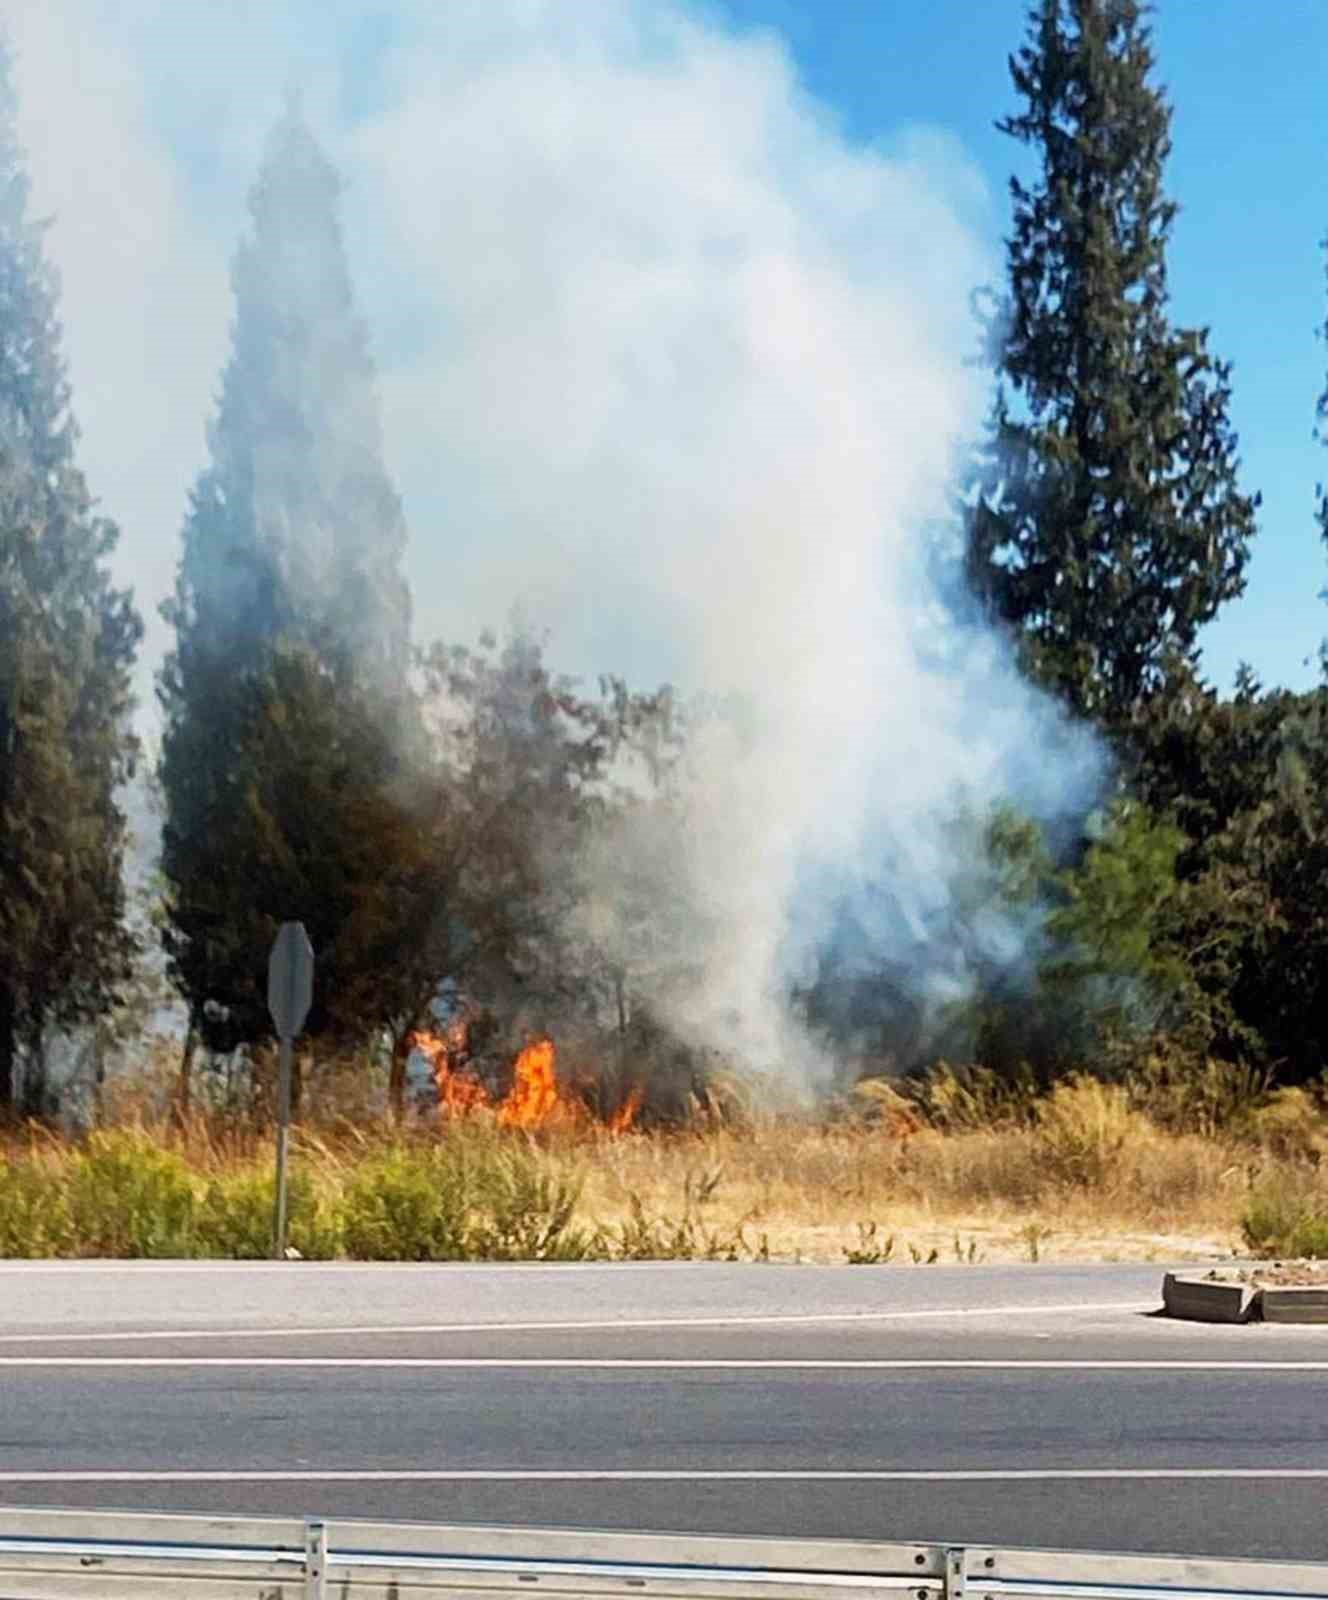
(662, 1364)
(141, 1268)
(777, 1319)
(646, 1475)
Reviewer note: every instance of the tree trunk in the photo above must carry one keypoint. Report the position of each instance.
(34, 1097)
(8, 1052)
(396, 1081)
(184, 1087)
(620, 1087)
(98, 1071)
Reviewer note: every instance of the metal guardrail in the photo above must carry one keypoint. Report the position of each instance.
(88, 1555)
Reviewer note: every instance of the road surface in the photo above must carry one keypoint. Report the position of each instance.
(1009, 1405)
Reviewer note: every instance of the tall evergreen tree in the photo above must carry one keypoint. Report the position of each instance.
(67, 644)
(1321, 431)
(295, 530)
(287, 718)
(1107, 525)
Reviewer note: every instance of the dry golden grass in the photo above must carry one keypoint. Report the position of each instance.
(1079, 1174)
(815, 1193)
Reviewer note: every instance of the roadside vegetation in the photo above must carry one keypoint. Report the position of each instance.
(953, 1168)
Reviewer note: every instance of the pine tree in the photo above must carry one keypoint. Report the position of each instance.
(1107, 526)
(67, 644)
(288, 723)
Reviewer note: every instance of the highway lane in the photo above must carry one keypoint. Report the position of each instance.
(101, 1296)
(1084, 1423)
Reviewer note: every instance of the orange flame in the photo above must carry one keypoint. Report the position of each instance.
(459, 1091)
(623, 1118)
(535, 1098)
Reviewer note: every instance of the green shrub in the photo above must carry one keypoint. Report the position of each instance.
(470, 1198)
(1287, 1216)
(407, 1205)
(130, 1198)
(34, 1210)
(235, 1218)
(525, 1214)
(1185, 1093)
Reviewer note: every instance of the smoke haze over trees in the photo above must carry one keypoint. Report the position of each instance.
(67, 641)
(873, 822)
(286, 749)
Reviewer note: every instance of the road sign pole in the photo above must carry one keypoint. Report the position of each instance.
(290, 987)
(283, 1147)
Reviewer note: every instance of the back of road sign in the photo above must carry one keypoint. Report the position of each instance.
(290, 979)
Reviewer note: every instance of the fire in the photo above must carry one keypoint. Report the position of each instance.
(625, 1115)
(535, 1099)
(459, 1091)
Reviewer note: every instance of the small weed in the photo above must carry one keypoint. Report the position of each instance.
(871, 1251)
(1034, 1236)
(699, 1187)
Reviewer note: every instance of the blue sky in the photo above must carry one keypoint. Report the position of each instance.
(1246, 83)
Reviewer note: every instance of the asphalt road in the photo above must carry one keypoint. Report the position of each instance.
(1025, 1405)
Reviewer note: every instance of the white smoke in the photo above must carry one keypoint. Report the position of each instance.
(664, 358)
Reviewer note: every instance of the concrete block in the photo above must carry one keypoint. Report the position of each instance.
(1202, 1300)
(1305, 1304)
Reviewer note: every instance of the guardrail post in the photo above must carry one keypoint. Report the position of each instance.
(955, 1562)
(315, 1559)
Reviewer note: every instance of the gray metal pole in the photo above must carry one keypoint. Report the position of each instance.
(283, 1141)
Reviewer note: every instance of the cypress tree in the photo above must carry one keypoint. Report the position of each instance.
(1107, 525)
(1321, 433)
(287, 718)
(67, 644)
(295, 530)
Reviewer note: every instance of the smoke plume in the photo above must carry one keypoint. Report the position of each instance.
(664, 358)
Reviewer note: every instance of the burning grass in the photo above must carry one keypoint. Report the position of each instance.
(1082, 1173)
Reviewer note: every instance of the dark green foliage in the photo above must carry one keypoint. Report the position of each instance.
(1244, 778)
(67, 643)
(524, 802)
(1107, 526)
(1321, 430)
(309, 813)
(1103, 971)
(291, 737)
